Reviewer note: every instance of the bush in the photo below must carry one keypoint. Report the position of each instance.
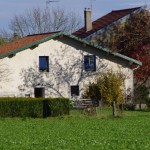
(59, 106)
(141, 94)
(148, 103)
(33, 107)
(129, 106)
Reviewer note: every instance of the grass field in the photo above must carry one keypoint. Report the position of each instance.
(77, 132)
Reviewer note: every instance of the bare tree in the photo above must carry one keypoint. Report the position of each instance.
(44, 20)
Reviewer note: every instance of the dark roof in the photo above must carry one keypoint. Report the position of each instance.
(104, 21)
(36, 39)
(23, 42)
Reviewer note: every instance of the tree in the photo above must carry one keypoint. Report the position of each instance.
(48, 20)
(132, 39)
(4, 37)
(141, 94)
(2, 41)
(109, 86)
(39, 20)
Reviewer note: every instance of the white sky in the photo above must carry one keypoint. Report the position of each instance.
(8, 8)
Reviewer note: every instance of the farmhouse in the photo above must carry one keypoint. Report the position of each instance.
(56, 65)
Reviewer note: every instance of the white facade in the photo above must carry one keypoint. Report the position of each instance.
(66, 69)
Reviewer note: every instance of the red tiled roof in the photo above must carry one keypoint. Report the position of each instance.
(23, 42)
(104, 21)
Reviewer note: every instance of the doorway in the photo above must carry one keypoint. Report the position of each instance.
(39, 92)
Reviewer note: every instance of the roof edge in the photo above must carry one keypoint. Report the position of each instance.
(107, 50)
(30, 45)
(127, 9)
(75, 38)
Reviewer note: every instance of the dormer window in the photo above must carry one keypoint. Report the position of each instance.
(90, 63)
(44, 63)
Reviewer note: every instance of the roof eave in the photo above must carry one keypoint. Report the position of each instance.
(75, 38)
(107, 50)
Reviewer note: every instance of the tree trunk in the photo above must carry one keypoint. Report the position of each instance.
(140, 105)
(114, 108)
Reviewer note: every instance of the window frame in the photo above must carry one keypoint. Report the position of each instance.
(45, 67)
(90, 67)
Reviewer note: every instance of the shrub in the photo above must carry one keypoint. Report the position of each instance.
(141, 94)
(59, 106)
(148, 103)
(129, 106)
(33, 107)
(108, 85)
(93, 92)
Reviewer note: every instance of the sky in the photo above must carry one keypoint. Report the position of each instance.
(9, 8)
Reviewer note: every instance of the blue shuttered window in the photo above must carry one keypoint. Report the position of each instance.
(44, 63)
(90, 63)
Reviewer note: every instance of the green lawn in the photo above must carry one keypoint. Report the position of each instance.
(77, 132)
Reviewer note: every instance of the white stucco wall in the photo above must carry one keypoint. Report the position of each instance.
(65, 69)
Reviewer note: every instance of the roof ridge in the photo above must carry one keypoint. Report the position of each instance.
(116, 11)
(43, 33)
(126, 9)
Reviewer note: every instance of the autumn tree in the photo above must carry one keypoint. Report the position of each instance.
(132, 39)
(108, 86)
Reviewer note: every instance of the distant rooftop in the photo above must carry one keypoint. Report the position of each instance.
(104, 21)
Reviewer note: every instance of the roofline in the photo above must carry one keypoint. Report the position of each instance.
(43, 33)
(106, 50)
(72, 37)
(98, 29)
(30, 45)
(127, 9)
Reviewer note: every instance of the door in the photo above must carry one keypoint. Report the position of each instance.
(39, 92)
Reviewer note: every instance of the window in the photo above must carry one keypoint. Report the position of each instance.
(44, 63)
(75, 90)
(90, 63)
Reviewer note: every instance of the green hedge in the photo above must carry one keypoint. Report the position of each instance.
(33, 107)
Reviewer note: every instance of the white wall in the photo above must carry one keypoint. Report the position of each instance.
(65, 69)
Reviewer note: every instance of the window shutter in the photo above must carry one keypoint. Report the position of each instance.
(44, 63)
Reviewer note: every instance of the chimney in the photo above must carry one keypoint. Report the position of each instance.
(87, 19)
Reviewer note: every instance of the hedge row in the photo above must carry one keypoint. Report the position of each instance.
(33, 107)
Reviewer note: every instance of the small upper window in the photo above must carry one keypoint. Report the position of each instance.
(90, 63)
(44, 63)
